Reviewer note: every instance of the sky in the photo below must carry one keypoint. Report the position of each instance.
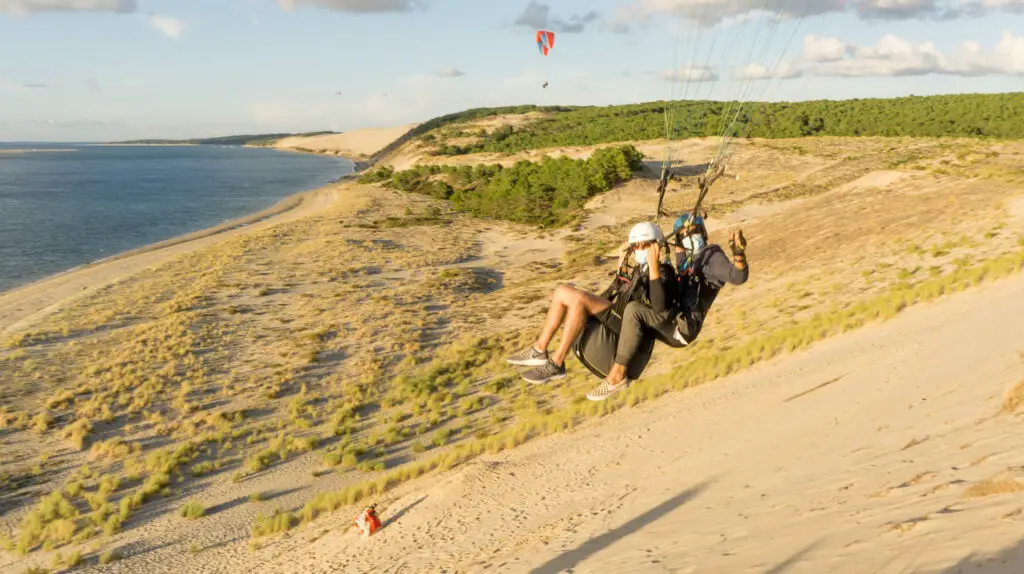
(102, 70)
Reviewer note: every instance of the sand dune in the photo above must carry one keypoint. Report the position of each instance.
(856, 456)
(356, 144)
(883, 450)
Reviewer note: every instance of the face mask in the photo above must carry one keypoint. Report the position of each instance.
(693, 243)
(641, 257)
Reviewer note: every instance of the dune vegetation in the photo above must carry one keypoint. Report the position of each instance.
(353, 350)
(964, 115)
(549, 192)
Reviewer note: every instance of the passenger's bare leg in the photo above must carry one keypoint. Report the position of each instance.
(560, 300)
(579, 306)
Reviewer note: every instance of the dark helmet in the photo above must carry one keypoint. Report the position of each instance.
(685, 219)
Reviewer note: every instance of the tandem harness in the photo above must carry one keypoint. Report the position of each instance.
(597, 343)
(695, 296)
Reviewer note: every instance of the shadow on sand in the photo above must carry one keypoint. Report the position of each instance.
(570, 559)
(394, 517)
(1009, 561)
(794, 559)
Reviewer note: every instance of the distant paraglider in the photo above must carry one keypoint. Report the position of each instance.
(545, 43)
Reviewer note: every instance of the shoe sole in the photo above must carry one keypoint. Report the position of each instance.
(527, 362)
(542, 381)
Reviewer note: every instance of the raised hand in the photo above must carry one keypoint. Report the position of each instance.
(737, 243)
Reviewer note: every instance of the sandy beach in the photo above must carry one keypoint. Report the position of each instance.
(47, 295)
(890, 446)
(356, 144)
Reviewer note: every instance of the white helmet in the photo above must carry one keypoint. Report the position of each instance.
(645, 231)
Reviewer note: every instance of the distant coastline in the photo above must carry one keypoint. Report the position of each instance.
(329, 175)
(35, 150)
(113, 144)
(251, 140)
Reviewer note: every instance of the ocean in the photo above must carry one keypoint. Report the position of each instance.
(62, 209)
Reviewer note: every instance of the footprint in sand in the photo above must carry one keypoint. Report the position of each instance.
(912, 482)
(936, 488)
(917, 479)
(914, 442)
(1013, 516)
(908, 525)
(905, 526)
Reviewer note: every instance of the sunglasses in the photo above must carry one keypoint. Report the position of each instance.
(643, 244)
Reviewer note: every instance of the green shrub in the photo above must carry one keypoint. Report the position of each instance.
(192, 510)
(548, 192)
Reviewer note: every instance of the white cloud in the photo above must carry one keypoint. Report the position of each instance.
(690, 74)
(355, 5)
(823, 49)
(898, 9)
(537, 16)
(450, 73)
(167, 25)
(756, 71)
(717, 11)
(32, 6)
(1011, 4)
(893, 56)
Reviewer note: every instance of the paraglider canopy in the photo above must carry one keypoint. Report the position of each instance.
(545, 41)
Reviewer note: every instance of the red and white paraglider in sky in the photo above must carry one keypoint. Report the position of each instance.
(545, 43)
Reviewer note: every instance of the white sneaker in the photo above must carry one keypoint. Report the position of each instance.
(606, 389)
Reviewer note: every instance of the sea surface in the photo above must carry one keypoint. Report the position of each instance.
(63, 209)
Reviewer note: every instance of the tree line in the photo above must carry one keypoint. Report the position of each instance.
(963, 115)
(549, 192)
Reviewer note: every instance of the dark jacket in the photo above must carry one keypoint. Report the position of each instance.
(697, 290)
(660, 295)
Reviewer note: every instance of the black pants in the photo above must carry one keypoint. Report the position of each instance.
(635, 319)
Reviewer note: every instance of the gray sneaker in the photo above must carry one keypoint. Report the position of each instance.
(544, 373)
(529, 357)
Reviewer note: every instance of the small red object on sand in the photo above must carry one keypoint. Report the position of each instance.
(367, 521)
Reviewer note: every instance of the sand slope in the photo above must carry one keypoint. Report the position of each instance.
(851, 457)
(356, 144)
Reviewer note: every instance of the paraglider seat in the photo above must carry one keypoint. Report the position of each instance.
(597, 343)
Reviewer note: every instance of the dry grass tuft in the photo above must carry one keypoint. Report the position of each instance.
(192, 510)
(109, 556)
(994, 486)
(1014, 397)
